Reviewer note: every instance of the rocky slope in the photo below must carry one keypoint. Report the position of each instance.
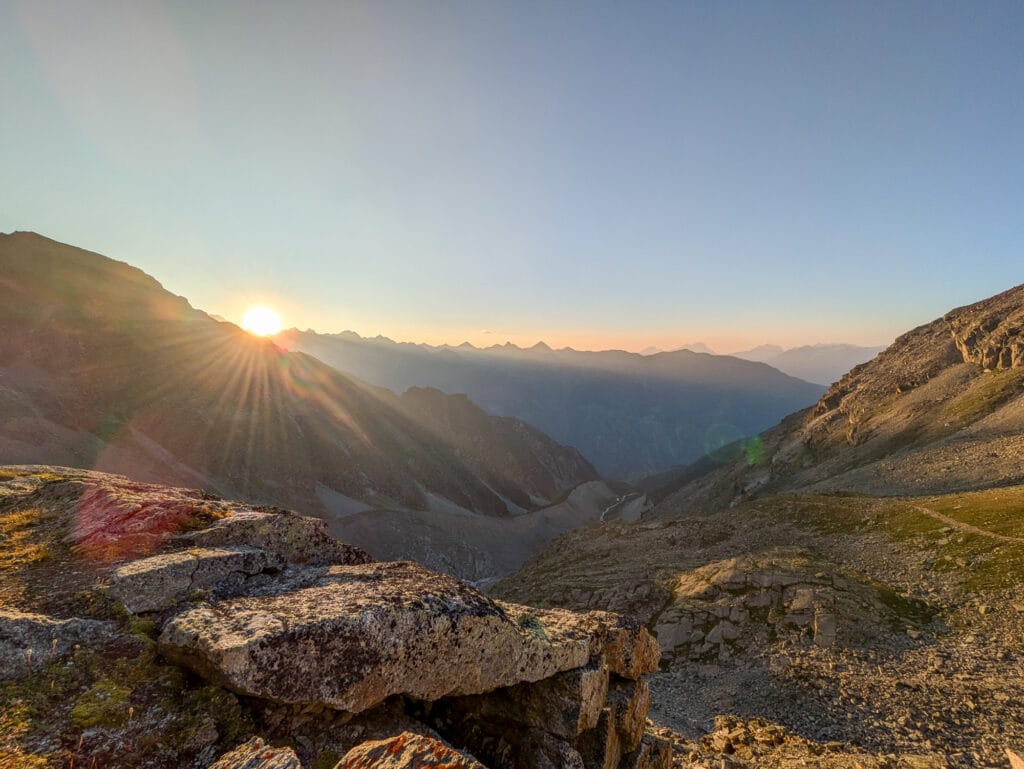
(938, 411)
(855, 630)
(846, 589)
(148, 626)
(478, 548)
(629, 414)
(101, 367)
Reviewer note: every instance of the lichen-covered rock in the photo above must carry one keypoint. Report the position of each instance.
(407, 751)
(162, 581)
(629, 703)
(256, 754)
(29, 641)
(355, 635)
(114, 518)
(295, 538)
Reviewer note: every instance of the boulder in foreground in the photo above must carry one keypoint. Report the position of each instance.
(351, 636)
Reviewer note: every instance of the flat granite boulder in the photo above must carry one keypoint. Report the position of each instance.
(351, 636)
(293, 537)
(162, 581)
(407, 751)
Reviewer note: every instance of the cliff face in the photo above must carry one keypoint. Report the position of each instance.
(989, 333)
(112, 587)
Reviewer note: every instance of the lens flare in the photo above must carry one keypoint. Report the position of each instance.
(261, 321)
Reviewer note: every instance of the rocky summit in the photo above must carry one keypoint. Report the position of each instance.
(151, 626)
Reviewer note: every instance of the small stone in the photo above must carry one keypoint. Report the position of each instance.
(256, 754)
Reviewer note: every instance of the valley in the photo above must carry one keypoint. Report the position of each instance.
(511, 385)
(842, 590)
(631, 415)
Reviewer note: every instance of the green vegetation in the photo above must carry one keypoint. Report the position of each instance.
(1000, 511)
(19, 542)
(15, 722)
(531, 624)
(987, 563)
(986, 393)
(326, 759)
(120, 706)
(105, 703)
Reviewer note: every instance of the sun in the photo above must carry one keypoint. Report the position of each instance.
(261, 321)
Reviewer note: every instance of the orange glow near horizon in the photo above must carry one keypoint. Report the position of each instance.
(261, 321)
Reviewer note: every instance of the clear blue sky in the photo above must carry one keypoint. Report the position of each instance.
(595, 174)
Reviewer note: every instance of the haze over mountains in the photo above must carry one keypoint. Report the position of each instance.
(101, 367)
(819, 363)
(629, 414)
(938, 411)
(842, 588)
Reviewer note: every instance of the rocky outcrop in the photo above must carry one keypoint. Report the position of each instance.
(406, 751)
(370, 664)
(587, 717)
(738, 603)
(352, 636)
(989, 333)
(256, 754)
(163, 581)
(30, 641)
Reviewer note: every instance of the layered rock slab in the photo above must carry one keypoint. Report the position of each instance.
(29, 641)
(163, 581)
(351, 636)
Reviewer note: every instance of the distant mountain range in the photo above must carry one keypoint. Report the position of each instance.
(630, 414)
(691, 346)
(819, 363)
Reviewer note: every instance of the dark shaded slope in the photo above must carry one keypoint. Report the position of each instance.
(100, 367)
(519, 458)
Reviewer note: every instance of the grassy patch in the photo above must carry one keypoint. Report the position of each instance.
(20, 542)
(531, 624)
(1000, 511)
(987, 563)
(105, 703)
(986, 392)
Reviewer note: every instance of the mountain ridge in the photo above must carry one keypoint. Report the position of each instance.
(103, 367)
(629, 414)
(943, 399)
